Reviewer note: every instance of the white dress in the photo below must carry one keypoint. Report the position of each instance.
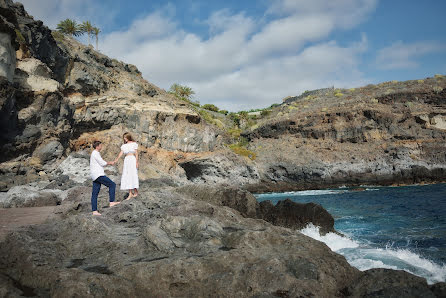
(129, 178)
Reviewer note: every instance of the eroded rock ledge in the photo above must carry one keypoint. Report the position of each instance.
(182, 242)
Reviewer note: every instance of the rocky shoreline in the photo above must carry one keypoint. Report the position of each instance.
(188, 241)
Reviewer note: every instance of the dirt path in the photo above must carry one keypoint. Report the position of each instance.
(13, 218)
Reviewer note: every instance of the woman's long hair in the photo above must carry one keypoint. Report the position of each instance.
(127, 136)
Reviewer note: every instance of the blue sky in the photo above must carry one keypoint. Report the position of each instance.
(251, 54)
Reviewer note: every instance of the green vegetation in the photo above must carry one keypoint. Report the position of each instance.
(265, 113)
(96, 32)
(237, 149)
(88, 28)
(240, 148)
(439, 76)
(339, 94)
(184, 93)
(209, 119)
(69, 27)
(58, 36)
(210, 107)
(19, 37)
(420, 81)
(437, 89)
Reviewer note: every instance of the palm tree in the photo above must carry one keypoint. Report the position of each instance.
(96, 32)
(69, 27)
(186, 92)
(87, 27)
(182, 92)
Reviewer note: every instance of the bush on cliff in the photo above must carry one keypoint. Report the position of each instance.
(210, 107)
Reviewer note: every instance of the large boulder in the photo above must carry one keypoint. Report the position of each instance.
(294, 215)
(240, 200)
(30, 196)
(286, 213)
(49, 151)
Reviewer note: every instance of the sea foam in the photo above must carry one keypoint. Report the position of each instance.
(364, 257)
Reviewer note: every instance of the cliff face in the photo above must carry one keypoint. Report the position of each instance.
(394, 132)
(57, 96)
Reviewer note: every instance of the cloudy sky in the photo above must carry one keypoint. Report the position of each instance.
(243, 54)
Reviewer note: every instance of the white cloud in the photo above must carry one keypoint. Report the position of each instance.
(271, 80)
(244, 62)
(54, 11)
(402, 56)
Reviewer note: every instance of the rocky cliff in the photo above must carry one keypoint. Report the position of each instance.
(58, 95)
(382, 134)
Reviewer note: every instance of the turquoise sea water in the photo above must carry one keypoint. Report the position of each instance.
(384, 227)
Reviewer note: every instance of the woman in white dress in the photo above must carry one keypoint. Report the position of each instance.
(129, 178)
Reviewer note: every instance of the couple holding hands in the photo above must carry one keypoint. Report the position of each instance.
(129, 178)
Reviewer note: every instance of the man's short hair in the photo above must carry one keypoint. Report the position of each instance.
(96, 143)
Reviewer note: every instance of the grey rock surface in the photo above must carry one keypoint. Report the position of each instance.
(391, 283)
(163, 243)
(30, 196)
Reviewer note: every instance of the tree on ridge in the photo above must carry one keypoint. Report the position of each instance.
(96, 32)
(88, 28)
(69, 27)
(182, 92)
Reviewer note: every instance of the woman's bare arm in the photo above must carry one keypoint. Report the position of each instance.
(119, 156)
(137, 159)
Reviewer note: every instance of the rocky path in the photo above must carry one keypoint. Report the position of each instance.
(13, 218)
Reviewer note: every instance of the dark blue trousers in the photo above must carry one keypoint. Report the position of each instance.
(97, 187)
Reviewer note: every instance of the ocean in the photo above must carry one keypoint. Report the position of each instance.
(384, 227)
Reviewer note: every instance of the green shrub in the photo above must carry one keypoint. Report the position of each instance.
(206, 116)
(339, 94)
(210, 107)
(243, 114)
(235, 118)
(437, 89)
(224, 112)
(265, 113)
(237, 149)
(439, 76)
(420, 81)
(235, 133)
(19, 37)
